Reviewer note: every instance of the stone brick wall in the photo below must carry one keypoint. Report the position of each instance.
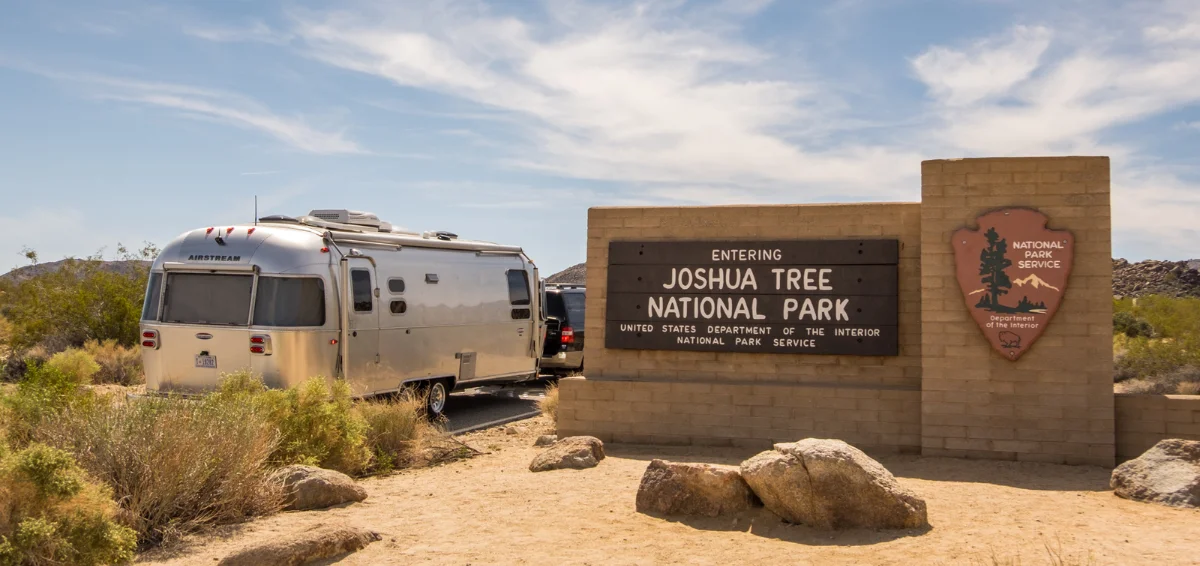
(1143, 420)
(1055, 404)
(672, 397)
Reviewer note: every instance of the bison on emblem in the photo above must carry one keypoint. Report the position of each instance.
(1009, 340)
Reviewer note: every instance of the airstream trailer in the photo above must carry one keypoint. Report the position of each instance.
(340, 294)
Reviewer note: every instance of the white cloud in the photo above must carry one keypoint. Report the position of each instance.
(988, 68)
(635, 94)
(195, 102)
(256, 32)
(1069, 104)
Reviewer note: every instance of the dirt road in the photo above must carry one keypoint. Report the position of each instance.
(492, 510)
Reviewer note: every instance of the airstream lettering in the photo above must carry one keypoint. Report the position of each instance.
(340, 294)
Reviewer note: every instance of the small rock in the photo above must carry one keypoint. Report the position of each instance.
(546, 440)
(828, 484)
(673, 488)
(310, 487)
(513, 430)
(573, 452)
(1167, 474)
(302, 548)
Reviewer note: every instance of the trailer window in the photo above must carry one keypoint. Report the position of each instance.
(399, 306)
(361, 283)
(150, 304)
(396, 285)
(289, 301)
(204, 298)
(518, 287)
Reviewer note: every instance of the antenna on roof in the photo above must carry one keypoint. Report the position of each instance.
(256, 210)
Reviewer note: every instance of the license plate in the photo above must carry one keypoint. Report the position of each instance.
(206, 362)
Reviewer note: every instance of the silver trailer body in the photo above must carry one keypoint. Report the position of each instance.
(290, 299)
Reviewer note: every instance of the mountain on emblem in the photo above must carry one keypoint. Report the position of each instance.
(1012, 271)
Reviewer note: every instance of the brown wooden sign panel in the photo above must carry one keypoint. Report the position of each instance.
(793, 296)
(1013, 272)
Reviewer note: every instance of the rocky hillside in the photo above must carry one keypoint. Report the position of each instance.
(574, 275)
(119, 266)
(1153, 277)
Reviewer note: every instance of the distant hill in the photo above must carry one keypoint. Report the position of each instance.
(574, 275)
(23, 273)
(1153, 277)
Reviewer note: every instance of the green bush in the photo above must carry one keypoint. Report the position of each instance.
(75, 364)
(118, 364)
(44, 392)
(50, 513)
(175, 465)
(1131, 326)
(316, 421)
(1173, 343)
(78, 301)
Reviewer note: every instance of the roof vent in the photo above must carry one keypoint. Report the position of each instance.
(352, 217)
(441, 235)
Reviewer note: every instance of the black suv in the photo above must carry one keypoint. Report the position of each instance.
(563, 350)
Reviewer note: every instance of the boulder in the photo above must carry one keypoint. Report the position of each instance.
(573, 452)
(1168, 474)
(546, 440)
(310, 487)
(302, 548)
(828, 484)
(673, 488)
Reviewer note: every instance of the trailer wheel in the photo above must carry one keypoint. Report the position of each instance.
(435, 394)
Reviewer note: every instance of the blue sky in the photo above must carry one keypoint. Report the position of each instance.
(131, 121)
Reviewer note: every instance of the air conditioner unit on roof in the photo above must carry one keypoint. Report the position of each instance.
(342, 216)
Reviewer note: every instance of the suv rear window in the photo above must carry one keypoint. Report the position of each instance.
(567, 307)
(574, 302)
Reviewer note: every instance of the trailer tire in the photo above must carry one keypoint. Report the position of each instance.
(434, 393)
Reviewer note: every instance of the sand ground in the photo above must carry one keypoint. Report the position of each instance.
(492, 510)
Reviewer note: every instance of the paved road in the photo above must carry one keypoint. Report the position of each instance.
(490, 406)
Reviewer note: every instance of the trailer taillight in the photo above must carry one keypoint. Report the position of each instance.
(260, 344)
(150, 339)
(568, 335)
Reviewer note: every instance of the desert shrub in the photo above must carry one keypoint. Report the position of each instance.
(316, 421)
(549, 403)
(1180, 381)
(51, 513)
(75, 364)
(80, 299)
(174, 465)
(395, 431)
(43, 393)
(1174, 343)
(18, 362)
(118, 364)
(1125, 323)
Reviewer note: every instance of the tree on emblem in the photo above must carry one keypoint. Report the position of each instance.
(992, 266)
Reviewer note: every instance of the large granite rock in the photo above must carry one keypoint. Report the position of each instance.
(828, 484)
(302, 548)
(673, 488)
(310, 487)
(1168, 474)
(573, 452)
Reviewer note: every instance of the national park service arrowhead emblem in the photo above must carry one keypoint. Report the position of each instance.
(1013, 272)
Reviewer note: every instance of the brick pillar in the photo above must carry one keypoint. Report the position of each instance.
(1055, 404)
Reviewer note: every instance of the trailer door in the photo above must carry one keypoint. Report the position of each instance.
(524, 324)
(364, 326)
